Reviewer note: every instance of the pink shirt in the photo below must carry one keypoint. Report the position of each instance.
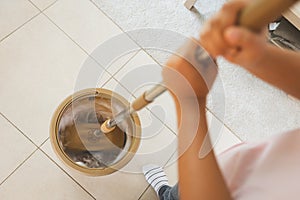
(265, 170)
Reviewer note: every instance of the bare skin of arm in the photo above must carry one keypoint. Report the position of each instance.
(251, 51)
(199, 178)
(280, 68)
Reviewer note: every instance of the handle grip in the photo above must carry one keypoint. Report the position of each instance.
(261, 12)
(148, 97)
(140, 103)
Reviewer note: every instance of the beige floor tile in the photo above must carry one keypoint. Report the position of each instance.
(119, 63)
(39, 178)
(114, 52)
(119, 185)
(155, 147)
(91, 75)
(14, 148)
(222, 137)
(171, 170)
(103, 79)
(149, 195)
(40, 66)
(83, 21)
(140, 72)
(13, 14)
(163, 107)
(115, 86)
(43, 4)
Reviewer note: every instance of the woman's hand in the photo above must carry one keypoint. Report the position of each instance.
(220, 37)
(191, 74)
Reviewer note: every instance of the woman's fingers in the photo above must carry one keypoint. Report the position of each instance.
(212, 34)
(247, 47)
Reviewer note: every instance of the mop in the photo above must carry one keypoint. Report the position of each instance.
(254, 17)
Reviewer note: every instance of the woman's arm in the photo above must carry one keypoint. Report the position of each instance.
(198, 178)
(281, 68)
(276, 66)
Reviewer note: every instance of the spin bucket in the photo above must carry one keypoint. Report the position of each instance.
(78, 141)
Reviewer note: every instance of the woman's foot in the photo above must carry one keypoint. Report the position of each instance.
(155, 176)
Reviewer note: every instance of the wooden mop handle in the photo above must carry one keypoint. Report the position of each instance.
(148, 97)
(259, 13)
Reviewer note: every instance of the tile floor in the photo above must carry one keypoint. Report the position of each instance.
(45, 45)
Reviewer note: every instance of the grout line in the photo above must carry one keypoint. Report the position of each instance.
(37, 148)
(166, 125)
(34, 5)
(144, 191)
(124, 87)
(125, 62)
(19, 27)
(103, 85)
(236, 135)
(11, 123)
(95, 4)
(42, 10)
(40, 148)
(18, 167)
(122, 66)
(68, 36)
(49, 5)
(165, 165)
(66, 172)
(87, 53)
(106, 68)
(43, 142)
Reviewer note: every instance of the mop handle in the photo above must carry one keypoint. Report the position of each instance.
(140, 102)
(254, 17)
(148, 97)
(261, 12)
